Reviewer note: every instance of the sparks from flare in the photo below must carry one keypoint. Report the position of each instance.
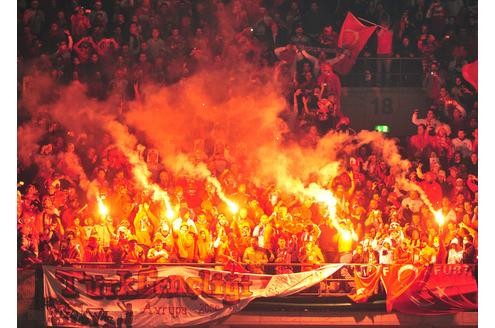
(439, 217)
(160, 194)
(141, 173)
(234, 208)
(421, 193)
(326, 197)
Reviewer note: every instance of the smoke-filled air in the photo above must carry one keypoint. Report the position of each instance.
(220, 138)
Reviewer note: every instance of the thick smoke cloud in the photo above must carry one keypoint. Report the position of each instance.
(231, 104)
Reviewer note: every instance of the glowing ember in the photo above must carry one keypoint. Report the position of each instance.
(102, 208)
(439, 217)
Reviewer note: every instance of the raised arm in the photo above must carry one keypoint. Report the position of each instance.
(278, 51)
(338, 58)
(295, 106)
(414, 117)
(313, 60)
(305, 100)
(70, 41)
(350, 192)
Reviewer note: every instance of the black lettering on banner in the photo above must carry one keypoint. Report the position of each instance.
(177, 311)
(68, 279)
(206, 308)
(383, 107)
(59, 313)
(127, 282)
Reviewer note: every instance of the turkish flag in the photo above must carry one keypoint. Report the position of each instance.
(367, 278)
(470, 73)
(440, 289)
(352, 39)
(397, 279)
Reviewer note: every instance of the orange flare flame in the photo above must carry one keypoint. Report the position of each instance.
(439, 217)
(102, 208)
(232, 206)
(158, 194)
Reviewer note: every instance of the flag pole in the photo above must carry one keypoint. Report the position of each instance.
(367, 21)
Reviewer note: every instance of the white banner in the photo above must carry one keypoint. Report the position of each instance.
(160, 296)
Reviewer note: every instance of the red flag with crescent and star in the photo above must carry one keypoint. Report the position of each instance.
(352, 39)
(398, 278)
(440, 289)
(470, 73)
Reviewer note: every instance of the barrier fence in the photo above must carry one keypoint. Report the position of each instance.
(385, 71)
(341, 283)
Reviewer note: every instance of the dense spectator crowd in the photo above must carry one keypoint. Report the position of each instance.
(114, 47)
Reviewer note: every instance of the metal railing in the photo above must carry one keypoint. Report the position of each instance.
(388, 72)
(341, 283)
(395, 71)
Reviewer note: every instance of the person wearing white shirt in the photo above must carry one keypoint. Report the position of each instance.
(430, 121)
(385, 252)
(413, 202)
(462, 144)
(454, 255)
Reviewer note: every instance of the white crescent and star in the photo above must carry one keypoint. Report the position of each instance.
(406, 268)
(349, 34)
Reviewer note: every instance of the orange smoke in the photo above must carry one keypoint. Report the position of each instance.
(127, 143)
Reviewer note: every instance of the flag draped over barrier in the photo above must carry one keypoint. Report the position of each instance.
(418, 289)
(352, 39)
(184, 296)
(366, 279)
(440, 289)
(159, 296)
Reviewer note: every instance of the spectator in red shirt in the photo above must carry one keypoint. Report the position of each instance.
(384, 52)
(432, 189)
(330, 84)
(93, 252)
(80, 23)
(420, 142)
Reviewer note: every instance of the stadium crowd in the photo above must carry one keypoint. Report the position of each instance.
(114, 47)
